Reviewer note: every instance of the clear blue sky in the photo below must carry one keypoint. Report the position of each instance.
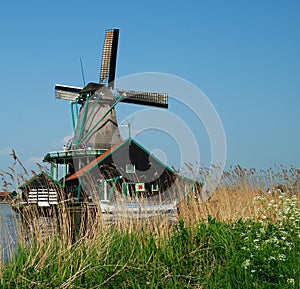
(244, 55)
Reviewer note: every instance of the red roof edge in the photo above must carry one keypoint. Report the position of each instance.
(92, 163)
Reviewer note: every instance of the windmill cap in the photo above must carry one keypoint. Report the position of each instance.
(94, 89)
(91, 87)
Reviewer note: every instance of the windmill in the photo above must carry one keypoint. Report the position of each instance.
(95, 127)
(96, 123)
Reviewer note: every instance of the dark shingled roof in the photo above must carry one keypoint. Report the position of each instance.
(42, 177)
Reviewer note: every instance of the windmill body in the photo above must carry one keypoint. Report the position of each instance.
(97, 123)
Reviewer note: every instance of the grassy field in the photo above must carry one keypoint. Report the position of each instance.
(241, 237)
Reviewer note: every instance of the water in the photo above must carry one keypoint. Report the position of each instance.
(9, 221)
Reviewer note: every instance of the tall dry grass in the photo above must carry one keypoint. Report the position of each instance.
(232, 200)
(234, 197)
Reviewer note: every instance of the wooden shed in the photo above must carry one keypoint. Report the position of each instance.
(41, 190)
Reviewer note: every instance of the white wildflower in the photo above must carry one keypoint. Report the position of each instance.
(246, 264)
(290, 281)
(262, 230)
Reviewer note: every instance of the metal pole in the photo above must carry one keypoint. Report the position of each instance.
(105, 190)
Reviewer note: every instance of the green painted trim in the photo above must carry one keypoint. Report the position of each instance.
(154, 157)
(94, 106)
(78, 190)
(72, 114)
(81, 122)
(125, 189)
(164, 165)
(77, 110)
(190, 180)
(113, 186)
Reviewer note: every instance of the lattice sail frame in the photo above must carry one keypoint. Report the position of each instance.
(144, 98)
(67, 92)
(109, 57)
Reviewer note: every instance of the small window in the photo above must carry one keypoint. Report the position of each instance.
(140, 187)
(130, 168)
(154, 188)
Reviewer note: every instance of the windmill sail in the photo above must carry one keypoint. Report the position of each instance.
(67, 92)
(144, 98)
(109, 57)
